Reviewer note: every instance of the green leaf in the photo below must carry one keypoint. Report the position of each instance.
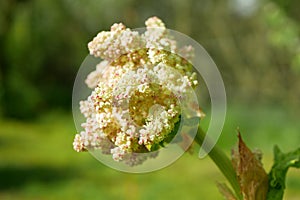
(169, 138)
(173, 133)
(277, 175)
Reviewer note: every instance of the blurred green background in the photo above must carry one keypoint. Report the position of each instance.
(255, 44)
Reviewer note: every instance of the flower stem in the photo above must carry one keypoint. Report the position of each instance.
(223, 163)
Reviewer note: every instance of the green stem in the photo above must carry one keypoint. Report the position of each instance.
(223, 163)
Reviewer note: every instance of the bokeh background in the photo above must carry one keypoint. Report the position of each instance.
(255, 44)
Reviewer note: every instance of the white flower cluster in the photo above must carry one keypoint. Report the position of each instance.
(109, 45)
(137, 92)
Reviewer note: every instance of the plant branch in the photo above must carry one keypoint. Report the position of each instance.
(222, 161)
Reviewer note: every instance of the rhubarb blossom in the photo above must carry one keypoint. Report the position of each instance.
(138, 90)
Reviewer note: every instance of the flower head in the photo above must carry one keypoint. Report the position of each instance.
(138, 92)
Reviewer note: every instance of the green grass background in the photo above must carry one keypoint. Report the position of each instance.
(37, 160)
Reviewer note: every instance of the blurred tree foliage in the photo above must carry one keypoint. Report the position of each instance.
(42, 44)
